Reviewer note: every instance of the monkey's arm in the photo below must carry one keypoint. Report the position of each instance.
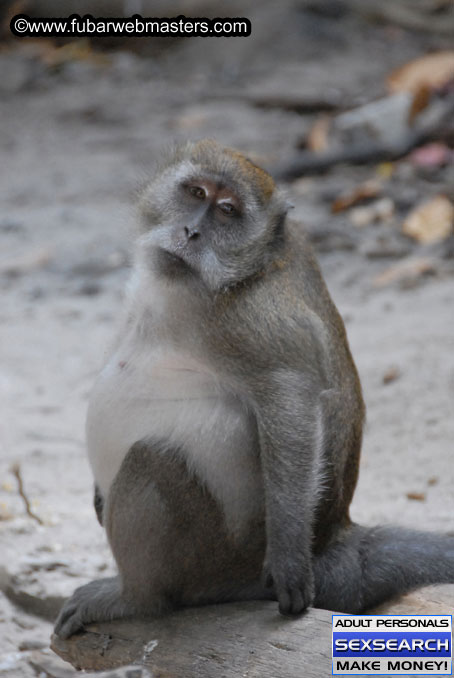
(290, 435)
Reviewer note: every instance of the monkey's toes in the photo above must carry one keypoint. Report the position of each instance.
(69, 620)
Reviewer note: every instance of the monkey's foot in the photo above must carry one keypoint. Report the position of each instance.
(97, 601)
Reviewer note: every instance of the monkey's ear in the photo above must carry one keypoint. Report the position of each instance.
(284, 206)
(282, 201)
(280, 216)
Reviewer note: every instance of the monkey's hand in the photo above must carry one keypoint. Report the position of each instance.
(291, 579)
(97, 601)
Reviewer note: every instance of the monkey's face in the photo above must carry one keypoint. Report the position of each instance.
(209, 225)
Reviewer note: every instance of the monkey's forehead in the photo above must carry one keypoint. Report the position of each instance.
(226, 162)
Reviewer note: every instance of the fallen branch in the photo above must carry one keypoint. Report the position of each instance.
(230, 640)
(15, 470)
(436, 128)
(307, 162)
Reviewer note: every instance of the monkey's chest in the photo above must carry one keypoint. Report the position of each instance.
(172, 398)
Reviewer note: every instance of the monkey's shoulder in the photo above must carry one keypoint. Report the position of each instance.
(284, 316)
(277, 305)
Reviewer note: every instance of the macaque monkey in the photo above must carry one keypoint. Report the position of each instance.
(224, 432)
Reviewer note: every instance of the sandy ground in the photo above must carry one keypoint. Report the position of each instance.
(76, 141)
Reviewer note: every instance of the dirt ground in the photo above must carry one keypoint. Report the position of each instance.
(77, 137)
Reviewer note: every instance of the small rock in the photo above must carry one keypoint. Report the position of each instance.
(384, 119)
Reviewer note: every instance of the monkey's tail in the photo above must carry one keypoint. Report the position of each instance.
(362, 567)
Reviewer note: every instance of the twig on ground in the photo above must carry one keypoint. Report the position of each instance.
(15, 470)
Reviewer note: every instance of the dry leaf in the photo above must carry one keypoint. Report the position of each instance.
(431, 221)
(421, 99)
(416, 496)
(317, 139)
(430, 71)
(366, 191)
(408, 269)
(391, 374)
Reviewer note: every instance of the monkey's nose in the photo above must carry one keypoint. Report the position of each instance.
(192, 232)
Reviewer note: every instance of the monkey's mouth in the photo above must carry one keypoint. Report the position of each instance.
(172, 256)
(171, 262)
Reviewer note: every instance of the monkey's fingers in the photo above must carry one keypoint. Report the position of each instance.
(294, 593)
(293, 596)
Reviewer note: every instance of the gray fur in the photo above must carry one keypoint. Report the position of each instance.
(224, 432)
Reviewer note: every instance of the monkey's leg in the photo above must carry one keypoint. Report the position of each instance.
(169, 536)
(362, 567)
(171, 545)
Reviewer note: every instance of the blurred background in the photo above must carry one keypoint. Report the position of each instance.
(350, 104)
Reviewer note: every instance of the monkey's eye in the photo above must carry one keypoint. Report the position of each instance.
(197, 192)
(227, 208)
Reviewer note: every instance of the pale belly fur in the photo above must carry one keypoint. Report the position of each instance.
(166, 395)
